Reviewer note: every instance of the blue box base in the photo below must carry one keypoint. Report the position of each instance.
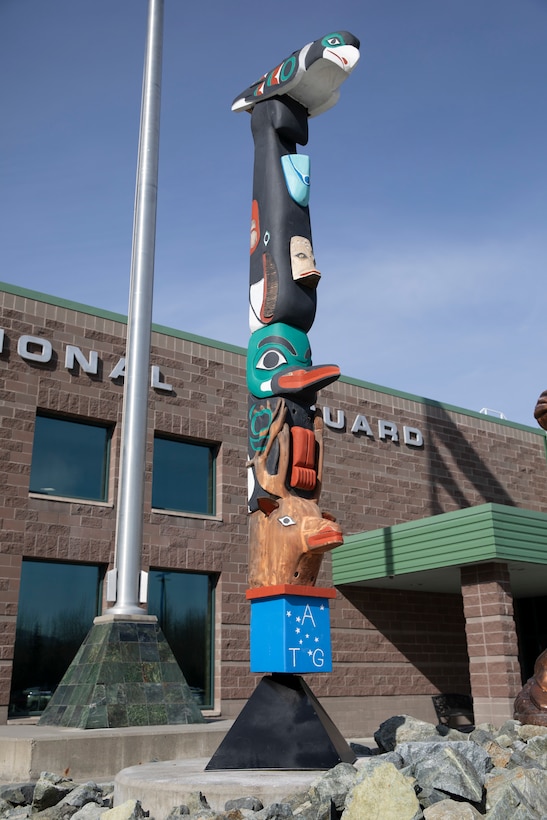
(291, 633)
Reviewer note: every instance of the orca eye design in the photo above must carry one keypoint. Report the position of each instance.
(333, 40)
(286, 521)
(271, 359)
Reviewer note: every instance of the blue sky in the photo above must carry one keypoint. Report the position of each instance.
(429, 178)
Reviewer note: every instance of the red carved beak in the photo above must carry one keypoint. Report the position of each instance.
(325, 540)
(292, 381)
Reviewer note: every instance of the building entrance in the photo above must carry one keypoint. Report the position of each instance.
(531, 621)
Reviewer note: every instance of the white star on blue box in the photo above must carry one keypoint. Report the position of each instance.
(291, 633)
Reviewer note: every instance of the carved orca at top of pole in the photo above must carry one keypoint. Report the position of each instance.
(288, 532)
(311, 76)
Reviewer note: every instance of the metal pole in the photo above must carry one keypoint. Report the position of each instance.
(129, 529)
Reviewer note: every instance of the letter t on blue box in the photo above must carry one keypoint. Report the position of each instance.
(290, 629)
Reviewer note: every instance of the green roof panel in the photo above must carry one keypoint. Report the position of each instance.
(469, 536)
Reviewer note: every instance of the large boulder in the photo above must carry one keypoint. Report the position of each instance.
(383, 793)
(401, 728)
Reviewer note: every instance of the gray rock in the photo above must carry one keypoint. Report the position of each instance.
(361, 750)
(522, 789)
(312, 809)
(86, 793)
(499, 755)
(528, 731)
(510, 728)
(178, 811)
(451, 810)
(520, 760)
(5, 807)
(251, 803)
(58, 812)
(130, 810)
(196, 801)
(334, 785)
(90, 811)
(369, 763)
(50, 790)
(428, 796)
(18, 794)
(505, 740)
(536, 749)
(455, 768)
(532, 791)
(277, 811)
(401, 728)
(19, 813)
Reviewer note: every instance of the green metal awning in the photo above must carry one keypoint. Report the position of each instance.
(427, 554)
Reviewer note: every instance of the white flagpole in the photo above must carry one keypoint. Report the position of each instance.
(129, 529)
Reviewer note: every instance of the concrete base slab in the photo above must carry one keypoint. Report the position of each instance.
(161, 786)
(98, 754)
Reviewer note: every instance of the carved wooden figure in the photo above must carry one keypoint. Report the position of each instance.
(288, 532)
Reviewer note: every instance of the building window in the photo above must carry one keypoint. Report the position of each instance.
(183, 603)
(70, 458)
(183, 476)
(57, 604)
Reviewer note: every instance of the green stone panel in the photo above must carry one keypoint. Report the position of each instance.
(116, 693)
(151, 672)
(135, 694)
(165, 651)
(132, 672)
(170, 672)
(149, 652)
(137, 715)
(109, 686)
(129, 652)
(96, 718)
(157, 715)
(154, 692)
(117, 716)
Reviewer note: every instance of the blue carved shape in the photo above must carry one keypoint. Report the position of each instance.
(296, 168)
(290, 633)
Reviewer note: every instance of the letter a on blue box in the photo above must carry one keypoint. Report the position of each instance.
(290, 633)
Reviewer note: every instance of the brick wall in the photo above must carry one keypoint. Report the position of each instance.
(491, 639)
(384, 641)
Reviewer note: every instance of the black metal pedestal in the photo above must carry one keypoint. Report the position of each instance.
(282, 726)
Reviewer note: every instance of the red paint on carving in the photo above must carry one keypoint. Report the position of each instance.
(300, 379)
(328, 537)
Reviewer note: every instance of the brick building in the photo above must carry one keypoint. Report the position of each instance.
(440, 583)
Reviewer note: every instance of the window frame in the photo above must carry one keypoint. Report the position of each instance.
(20, 658)
(212, 579)
(108, 429)
(213, 449)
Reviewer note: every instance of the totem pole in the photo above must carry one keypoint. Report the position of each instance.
(288, 532)
(531, 702)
